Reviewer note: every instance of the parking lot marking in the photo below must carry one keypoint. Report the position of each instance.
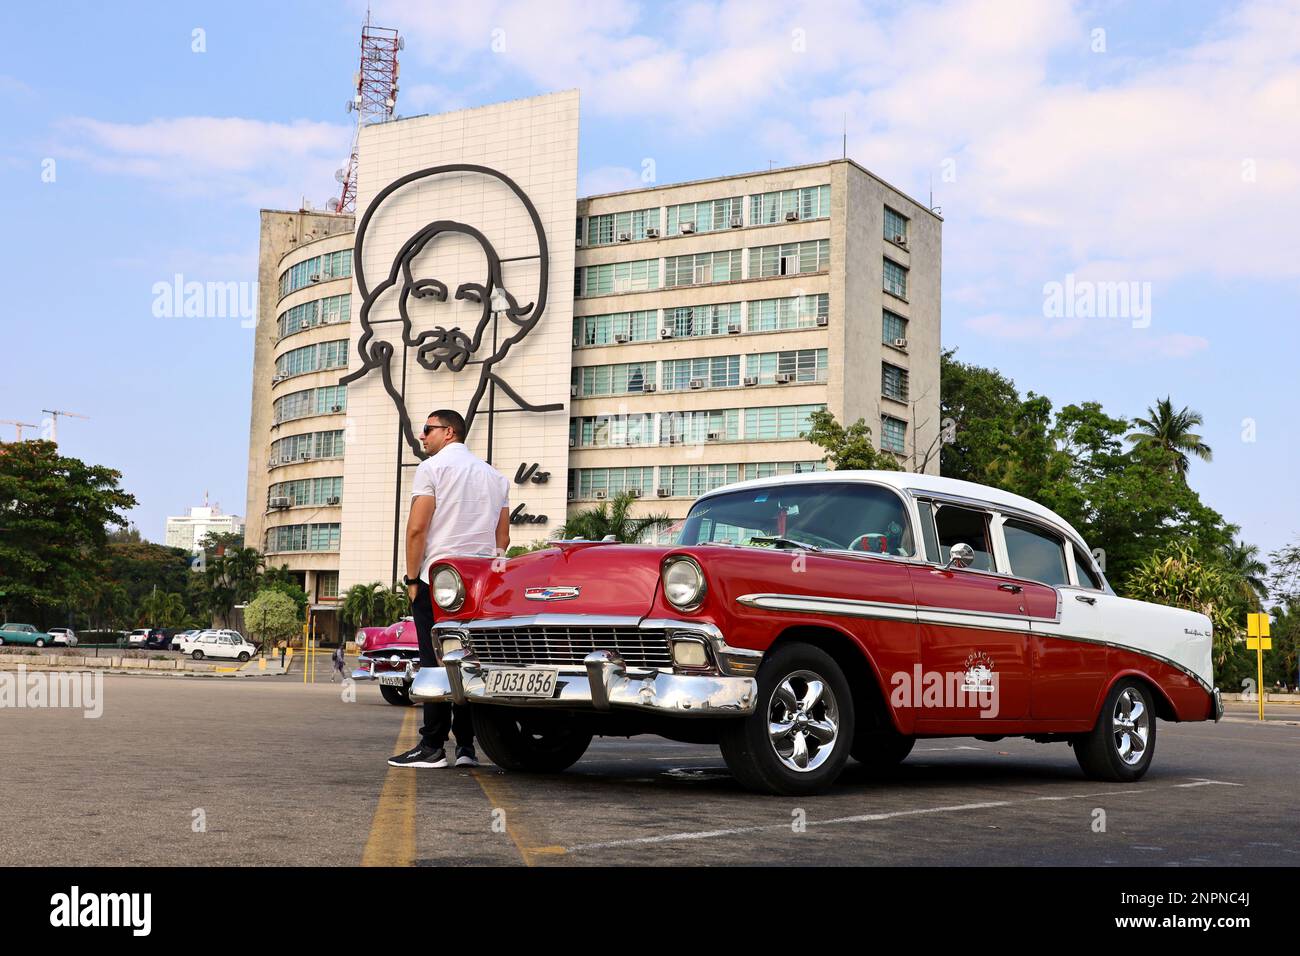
(867, 817)
(392, 830)
(499, 799)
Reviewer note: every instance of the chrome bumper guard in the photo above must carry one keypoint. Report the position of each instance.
(605, 685)
(1218, 705)
(367, 671)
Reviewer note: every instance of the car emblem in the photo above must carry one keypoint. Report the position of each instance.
(561, 593)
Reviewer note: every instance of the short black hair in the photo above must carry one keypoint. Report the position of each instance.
(451, 418)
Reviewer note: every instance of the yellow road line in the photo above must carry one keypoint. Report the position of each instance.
(499, 797)
(392, 831)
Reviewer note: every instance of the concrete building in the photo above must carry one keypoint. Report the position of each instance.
(678, 341)
(188, 531)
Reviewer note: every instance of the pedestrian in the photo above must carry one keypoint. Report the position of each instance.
(338, 662)
(459, 505)
(284, 646)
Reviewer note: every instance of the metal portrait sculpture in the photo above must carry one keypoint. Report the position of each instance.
(453, 348)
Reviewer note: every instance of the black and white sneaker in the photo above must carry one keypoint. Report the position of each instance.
(465, 757)
(421, 757)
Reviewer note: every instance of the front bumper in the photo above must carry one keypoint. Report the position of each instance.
(606, 684)
(373, 669)
(1218, 705)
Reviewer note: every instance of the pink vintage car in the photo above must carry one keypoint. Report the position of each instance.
(391, 656)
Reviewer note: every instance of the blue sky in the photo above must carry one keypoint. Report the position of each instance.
(1153, 144)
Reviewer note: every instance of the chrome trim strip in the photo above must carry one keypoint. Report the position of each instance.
(1142, 652)
(844, 607)
(543, 620)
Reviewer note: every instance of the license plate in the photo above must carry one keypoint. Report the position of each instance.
(520, 682)
(393, 680)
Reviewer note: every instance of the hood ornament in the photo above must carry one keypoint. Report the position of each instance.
(559, 593)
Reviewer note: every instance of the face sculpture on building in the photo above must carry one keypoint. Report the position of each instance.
(419, 295)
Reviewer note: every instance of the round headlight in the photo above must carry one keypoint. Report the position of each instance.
(683, 583)
(448, 589)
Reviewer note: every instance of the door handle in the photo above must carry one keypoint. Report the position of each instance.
(1085, 599)
(1013, 588)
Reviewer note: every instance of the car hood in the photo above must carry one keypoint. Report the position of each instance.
(618, 580)
(399, 634)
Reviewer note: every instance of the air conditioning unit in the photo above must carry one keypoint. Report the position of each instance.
(572, 494)
(823, 320)
(602, 493)
(735, 222)
(278, 377)
(634, 492)
(751, 379)
(733, 328)
(652, 233)
(792, 216)
(579, 242)
(332, 500)
(666, 333)
(314, 277)
(622, 338)
(901, 240)
(663, 492)
(336, 408)
(784, 378)
(279, 502)
(573, 391)
(696, 383)
(713, 436)
(572, 442)
(899, 343)
(687, 228)
(625, 237)
(649, 387)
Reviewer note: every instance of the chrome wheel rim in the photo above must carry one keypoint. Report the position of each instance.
(1131, 724)
(803, 721)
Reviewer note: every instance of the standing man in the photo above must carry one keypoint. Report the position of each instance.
(459, 505)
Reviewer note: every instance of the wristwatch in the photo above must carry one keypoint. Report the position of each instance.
(410, 581)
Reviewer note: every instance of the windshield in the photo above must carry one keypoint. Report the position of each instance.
(838, 515)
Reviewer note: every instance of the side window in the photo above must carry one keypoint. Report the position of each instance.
(927, 530)
(1087, 576)
(964, 526)
(1035, 552)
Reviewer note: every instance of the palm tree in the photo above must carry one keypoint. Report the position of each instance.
(362, 605)
(611, 518)
(1171, 431)
(1244, 563)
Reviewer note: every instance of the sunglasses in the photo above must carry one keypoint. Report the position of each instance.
(429, 428)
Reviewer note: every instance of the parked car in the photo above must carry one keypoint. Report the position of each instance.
(137, 637)
(24, 634)
(219, 644)
(63, 637)
(390, 656)
(801, 620)
(160, 639)
(179, 638)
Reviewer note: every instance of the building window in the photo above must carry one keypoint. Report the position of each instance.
(638, 276)
(331, 399)
(702, 268)
(303, 537)
(768, 469)
(802, 365)
(605, 431)
(698, 428)
(718, 371)
(328, 311)
(790, 258)
(312, 358)
(895, 226)
(612, 227)
(778, 421)
(707, 216)
(614, 379)
(308, 491)
(694, 480)
(689, 320)
(614, 327)
(812, 202)
(585, 482)
(306, 447)
(895, 279)
(331, 265)
(893, 434)
(893, 328)
(893, 382)
(327, 585)
(794, 312)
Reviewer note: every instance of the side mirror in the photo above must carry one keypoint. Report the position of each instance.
(962, 555)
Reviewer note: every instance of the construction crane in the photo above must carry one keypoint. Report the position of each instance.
(373, 102)
(18, 425)
(54, 421)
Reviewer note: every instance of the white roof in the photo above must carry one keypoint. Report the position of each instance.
(919, 484)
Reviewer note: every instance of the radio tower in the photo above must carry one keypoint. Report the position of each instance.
(374, 99)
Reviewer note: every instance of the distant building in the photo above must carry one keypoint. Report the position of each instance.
(186, 531)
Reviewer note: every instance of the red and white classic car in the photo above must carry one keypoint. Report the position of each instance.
(390, 656)
(801, 620)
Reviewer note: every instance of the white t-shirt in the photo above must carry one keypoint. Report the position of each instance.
(469, 495)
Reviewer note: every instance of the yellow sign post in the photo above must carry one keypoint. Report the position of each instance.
(1259, 641)
(305, 656)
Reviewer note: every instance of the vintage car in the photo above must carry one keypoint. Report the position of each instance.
(390, 656)
(24, 634)
(800, 620)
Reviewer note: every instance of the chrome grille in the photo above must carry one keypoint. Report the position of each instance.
(566, 645)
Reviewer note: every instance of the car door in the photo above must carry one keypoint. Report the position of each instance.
(974, 630)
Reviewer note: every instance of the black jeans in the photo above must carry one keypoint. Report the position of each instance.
(438, 718)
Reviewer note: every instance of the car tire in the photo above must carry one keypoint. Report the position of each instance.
(529, 742)
(397, 696)
(1110, 750)
(243, 657)
(881, 750)
(757, 757)
(197, 655)
(40, 642)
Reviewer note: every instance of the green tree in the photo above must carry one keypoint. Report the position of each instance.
(272, 616)
(363, 605)
(1177, 577)
(611, 518)
(1243, 562)
(55, 515)
(226, 580)
(161, 609)
(280, 579)
(1172, 431)
(847, 448)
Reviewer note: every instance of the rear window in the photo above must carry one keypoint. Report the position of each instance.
(835, 515)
